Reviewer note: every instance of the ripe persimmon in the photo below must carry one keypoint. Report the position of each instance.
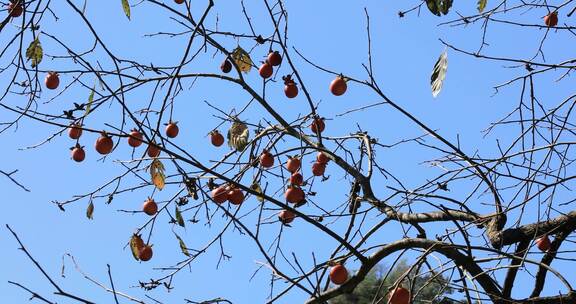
(15, 10)
(74, 131)
(543, 243)
(150, 207)
(220, 194)
(400, 295)
(274, 58)
(226, 66)
(338, 86)
(52, 80)
(153, 150)
(296, 179)
(236, 196)
(145, 253)
(318, 169)
(104, 144)
(216, 138)
(286, 216)
(266, 159)
(266, 70)
(318, 125)
(172, 129)
(293, 164)
(551, 20)
(294, 195)
(290, 89)
(338, 274)
(78, 153)
(135, 138)
(322, 158)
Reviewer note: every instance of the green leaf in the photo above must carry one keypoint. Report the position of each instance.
(179, 217)
(90, 211)
(90, 100)
(482, 5)
(256, 187)
(126, 7)
(34, 52)
(433, 7)
(439, 74)
(445, 5)
(439, 7)
(182, 246)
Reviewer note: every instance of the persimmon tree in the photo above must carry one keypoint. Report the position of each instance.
(480, 219)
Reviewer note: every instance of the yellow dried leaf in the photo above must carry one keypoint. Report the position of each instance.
(136, 243)
(90, 211)
(157, 174)
(242, 59)
(238, 135)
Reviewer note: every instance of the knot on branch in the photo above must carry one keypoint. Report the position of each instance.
(498, 237)
(494, 230)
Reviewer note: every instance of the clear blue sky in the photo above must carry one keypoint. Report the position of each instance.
(328, 33)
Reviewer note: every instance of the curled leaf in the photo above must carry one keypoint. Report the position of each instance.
(439, 7)
(126, 8)
(157, 174)
(482, 5)
(439, 74)
(238, 135)
(183, 247)
(445, 5)
(433, 7)
(136, 243)
(179, 218)
(34, 52)
(191, 187)
(242, 59)
(256, 187)
(90, 100)
(90, 211)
